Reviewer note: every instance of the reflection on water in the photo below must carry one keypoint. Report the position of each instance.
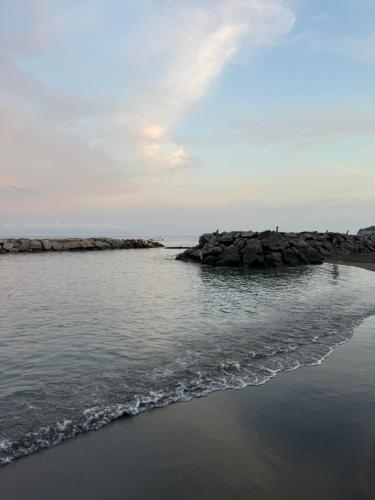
(87, 338)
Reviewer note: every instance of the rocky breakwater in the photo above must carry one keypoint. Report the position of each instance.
(16, 245)
(273, 249)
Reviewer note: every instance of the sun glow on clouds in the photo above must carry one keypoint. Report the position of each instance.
(205, 39)
(69, 148)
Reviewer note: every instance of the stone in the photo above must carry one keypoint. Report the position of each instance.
(252, 253)
(247, 234)
(22, 245)
(274, 259)
(208, 238)
(289, 257)
(8, 245)
(35, 245)
(226, 238)
(104, 244)
(56, 245)
(230, 256)
(71, 245)
(46, 244)
(274, 242)
(314, 257)
(367, 231)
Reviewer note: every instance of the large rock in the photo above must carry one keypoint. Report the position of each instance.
(230, 256)
(273, 249)
(290, 256)
(8, 245)
(226, 238)
(36, 245)
(367, 231)
(274, 242)
(252, 253)
(274, 259)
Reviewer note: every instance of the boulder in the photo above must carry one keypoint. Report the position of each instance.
(226, 238)
(274, 259)
(230, 256)
(248, 234)
(71, 245)
(313, 256)
(208, 238)
(35, 245)
(367, 231)
(274, 242)
(8, 245)
(252, 253)
(289, 256)
(56, 245)
(47, 244)
(104, 244)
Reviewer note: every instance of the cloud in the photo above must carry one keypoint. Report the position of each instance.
(72, 148)
(197, 42)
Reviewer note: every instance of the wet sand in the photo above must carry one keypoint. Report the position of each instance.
(363, 260)
(307, 434)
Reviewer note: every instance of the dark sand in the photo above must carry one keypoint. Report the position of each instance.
(363, 260)
(307, 434)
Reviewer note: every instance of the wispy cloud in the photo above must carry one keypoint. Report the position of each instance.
(198, 42)
(69, 147)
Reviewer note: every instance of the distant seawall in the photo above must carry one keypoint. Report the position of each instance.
(17, 245)
(274, 249)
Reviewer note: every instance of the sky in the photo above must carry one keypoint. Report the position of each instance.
(178, 117)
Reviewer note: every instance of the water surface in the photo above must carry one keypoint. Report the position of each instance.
(86, 338)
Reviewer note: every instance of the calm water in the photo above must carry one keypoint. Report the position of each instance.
(86, 338)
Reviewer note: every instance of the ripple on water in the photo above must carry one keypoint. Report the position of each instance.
(86, 339)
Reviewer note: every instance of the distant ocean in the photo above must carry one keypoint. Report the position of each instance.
(87, 338)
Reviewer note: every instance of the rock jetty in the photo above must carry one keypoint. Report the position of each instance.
(367, 231)
(273, 249)
(15, 245)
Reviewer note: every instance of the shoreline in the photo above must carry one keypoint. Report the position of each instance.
(363, 260)
(304, 434)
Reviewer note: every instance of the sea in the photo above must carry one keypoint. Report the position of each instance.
(87, 338)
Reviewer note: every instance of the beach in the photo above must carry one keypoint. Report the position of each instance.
(307, 433)
(365, 260)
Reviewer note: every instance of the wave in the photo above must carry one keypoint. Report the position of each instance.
(233, 375)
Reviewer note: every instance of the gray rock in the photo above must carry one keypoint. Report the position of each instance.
(274, 259)
(56, 245)
(367, 231)
(35, 245)
(230, 256)
(248, 234)
(289, 256)
(226, 238)
(103, 244)
(314, 257)
(208, 238)
(8, 245)
(274, 242)
(47, 244)
(252, 253)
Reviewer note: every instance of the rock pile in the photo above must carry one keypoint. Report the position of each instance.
(14, 245)
(367, 231)
(273, 249)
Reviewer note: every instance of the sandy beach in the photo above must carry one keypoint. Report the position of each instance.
(306, 434)
(364, 260)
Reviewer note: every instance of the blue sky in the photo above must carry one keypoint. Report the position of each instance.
(179, 117)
